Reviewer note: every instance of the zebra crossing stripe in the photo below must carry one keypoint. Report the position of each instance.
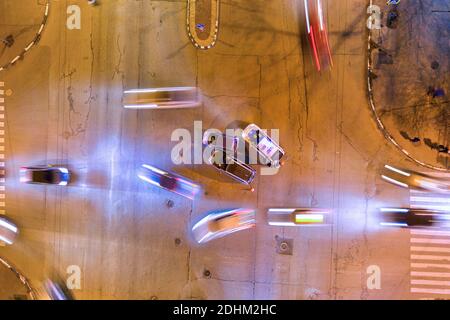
(430, 274)
(429, 257)
(430, 265)
(430, 248)
(431, 282)
(428, 240)
(432, 291)
(431, 232)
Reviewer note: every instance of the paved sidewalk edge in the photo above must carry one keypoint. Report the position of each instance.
(380, 124)
(36, 39)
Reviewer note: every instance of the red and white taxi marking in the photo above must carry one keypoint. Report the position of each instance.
(2, 150)
(430, 249)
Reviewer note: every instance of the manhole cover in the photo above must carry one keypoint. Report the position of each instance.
(284, 246)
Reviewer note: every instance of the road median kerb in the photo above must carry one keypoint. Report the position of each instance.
(35, 40)
(380, 125)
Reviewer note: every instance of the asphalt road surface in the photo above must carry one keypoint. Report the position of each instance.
(64, 106)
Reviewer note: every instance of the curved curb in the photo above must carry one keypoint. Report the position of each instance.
(190, 25)
(32, 43)
(30, 291)
(380, 124)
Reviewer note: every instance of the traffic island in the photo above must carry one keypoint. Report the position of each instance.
(21, 27)
(203, 22)
(408, 79)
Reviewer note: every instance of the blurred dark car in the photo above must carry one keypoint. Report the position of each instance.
(45, 175)
(414, 218)
(168, 180)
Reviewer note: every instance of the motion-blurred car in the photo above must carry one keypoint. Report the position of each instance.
(162, 98)
(414, 218)
(266, 147)
(169, 181)
(222, 223)
(317, 34)
(8, 230)
(414, 180)
(56, 289)
(232, 167)
(45, 175)
(287, 217)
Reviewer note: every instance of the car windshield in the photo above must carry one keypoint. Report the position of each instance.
(239, 171)
(45, 176)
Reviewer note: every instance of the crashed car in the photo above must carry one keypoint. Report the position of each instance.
(266, 147)
(232, 167)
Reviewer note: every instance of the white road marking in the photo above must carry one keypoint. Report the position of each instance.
(431, 282)
(428, 240)
(429, 257)
(427, 199)
(430, 265)
(430, 274)
(431, 232)
(433, 291)
(426, 261)
(431, 207)
(430, 249)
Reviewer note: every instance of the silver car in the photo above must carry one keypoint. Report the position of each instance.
(266, 147)
(162, 98)
(8, 231)
(222, 223)
(291, 217)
